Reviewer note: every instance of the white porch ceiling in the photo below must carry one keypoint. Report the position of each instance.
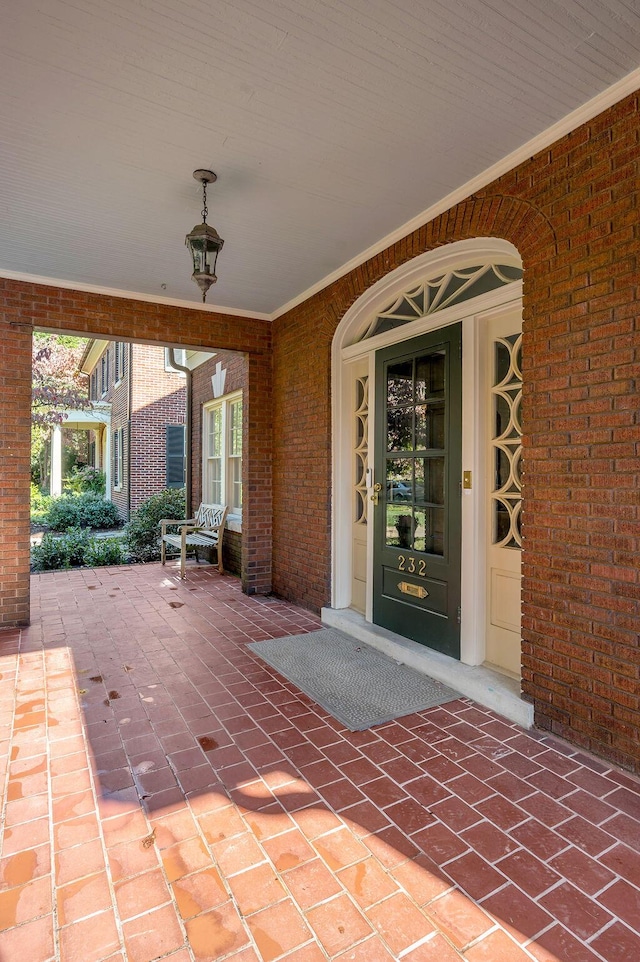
(330, 124)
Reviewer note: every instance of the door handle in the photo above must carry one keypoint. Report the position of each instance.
(375, 497)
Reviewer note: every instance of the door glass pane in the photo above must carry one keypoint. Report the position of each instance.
(400, 383)
(419, 543)
(398, 525)
(430, 425)
(405, 526)
(415, 486)
(429, 486)
(429, 376)
(399, 429)
(434, 531)
(399, 479)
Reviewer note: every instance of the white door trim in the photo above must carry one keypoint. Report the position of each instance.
(346, 348)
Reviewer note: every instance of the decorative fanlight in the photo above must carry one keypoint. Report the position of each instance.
(204, 242)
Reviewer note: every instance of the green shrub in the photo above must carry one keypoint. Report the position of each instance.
(105, 551)
(77, 541)
(81, 511)
(66, 551)
(39, 505)
(74, 549)
(50, 554)
(87, 480)
(142, 532)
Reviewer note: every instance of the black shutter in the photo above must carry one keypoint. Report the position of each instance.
(175, 456)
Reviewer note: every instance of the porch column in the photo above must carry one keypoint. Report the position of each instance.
(257, 509)
(56, 461)
(106, 459)
(15, 445)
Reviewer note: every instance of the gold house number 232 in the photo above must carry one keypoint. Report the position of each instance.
(409, 565)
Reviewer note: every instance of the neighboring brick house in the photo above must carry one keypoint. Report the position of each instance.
(144, 451)
(315, 450)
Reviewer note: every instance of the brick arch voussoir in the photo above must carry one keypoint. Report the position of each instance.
(513, 219)
(491, 215)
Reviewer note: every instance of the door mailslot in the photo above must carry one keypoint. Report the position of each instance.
(416, 591)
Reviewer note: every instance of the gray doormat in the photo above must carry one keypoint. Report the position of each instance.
(356, 684)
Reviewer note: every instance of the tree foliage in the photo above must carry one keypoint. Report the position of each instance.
(57, 385)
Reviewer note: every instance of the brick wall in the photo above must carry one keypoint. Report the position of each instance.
(117, 396)
(143, 401)
(158, 399)
(572, 212)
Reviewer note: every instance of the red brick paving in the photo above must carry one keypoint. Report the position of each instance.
(166, 795)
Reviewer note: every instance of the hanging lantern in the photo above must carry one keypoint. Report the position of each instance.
(203, 241)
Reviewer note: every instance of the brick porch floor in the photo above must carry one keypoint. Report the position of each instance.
(169, 797)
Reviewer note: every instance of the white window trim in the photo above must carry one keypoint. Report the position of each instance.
(234, 518)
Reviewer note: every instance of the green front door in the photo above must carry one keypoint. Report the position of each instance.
(417, 474)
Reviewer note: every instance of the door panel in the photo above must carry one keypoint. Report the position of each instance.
(503, 491)
(417, 474)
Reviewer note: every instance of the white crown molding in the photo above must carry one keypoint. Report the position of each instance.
(132, 295)
(612, 95)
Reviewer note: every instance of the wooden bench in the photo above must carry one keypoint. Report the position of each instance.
(203, 531)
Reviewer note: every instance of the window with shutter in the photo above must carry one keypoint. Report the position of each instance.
(175, 456)
(119, 360)
(118, 452)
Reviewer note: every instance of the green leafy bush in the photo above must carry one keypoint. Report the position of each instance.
(142, 532)
(86, 480)
(105, 551)
(50, 554)
(74, 549)
(81, 511)
(66, 551)
(77, 541)
(39, 505)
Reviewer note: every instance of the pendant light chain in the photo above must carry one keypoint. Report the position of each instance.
(205, 209)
